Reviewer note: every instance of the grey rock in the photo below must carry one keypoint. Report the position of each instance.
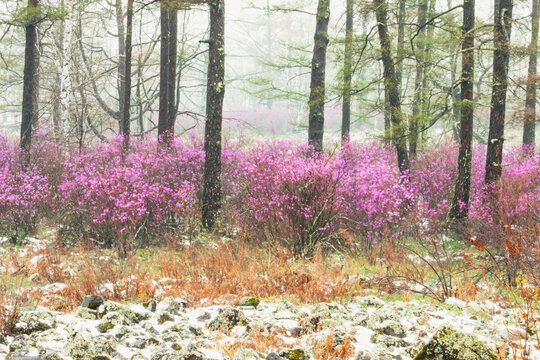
(150, 305)
(139, 344)
(92, 301)
(449, 344)
(390, 342)
(18, 343)
(109, 321)
(86, 313)
(153, 341)
(364, 355)
(35, 321)
(123, 331)
(177, 306)
(227, 318)
(249, 301)
(370, 301)
(197, 331)
(295, 354)
(166, 355)
(87, 348)
(273, 356)
(25, 358)
(243, 353)
(205, 316)
(164, 317)
(130, 316)
(51, 356)
(171, 337)
(391, 328)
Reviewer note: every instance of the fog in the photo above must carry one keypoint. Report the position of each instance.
(268, 58)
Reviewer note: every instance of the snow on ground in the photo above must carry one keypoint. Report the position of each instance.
(170, 329)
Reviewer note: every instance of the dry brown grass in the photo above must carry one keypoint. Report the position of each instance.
(195, 272)
(324, 349)
(263, 340)
(10, 301)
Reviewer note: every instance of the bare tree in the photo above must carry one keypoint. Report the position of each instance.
(30, 103)
(530, 101)
(501, 59)
(391, 86)
(214, 115)
(126, 103)
(419, 91)
(460, 202)
(318, 72)
(347, 73)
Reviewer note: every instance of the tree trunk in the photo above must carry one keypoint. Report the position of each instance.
(501, 38)
(30, 103)
(391, 86)
(460, 202)
(400, 43)
(167, 72)
(126, 120)
(171, 78)
(121, 61)
(269, 38)
(419, 91)
(347, 74)
(163, 74)
(530, 102)
(214, 115)
(318, 70)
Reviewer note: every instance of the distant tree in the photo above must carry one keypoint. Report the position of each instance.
(211, 202)
(318, 72)
(460, 202)
(30, 103)
(530, 101)
(400, 42)
(501, 59)
(347, 73)
(391, 86)
(419, 84)
(167, 72)
(126, 80)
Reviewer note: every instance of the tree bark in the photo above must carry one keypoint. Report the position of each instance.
(501, 35)
(30, 103)
(391, 86)
(171, 78)
(214, 115)
(400, 43)
(167, 72)
(419, 91)
(530, 101)
(318, 71)
(347, 73)
(460, 203)
(121, 61)
(163, 74)
(126, 120)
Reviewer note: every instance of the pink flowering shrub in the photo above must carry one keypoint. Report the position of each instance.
(284, 195)
(272, 192)
(111, 195)
(25, 195)
(376, 200)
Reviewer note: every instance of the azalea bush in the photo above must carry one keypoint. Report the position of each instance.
(25, 194)
(275, 193)
(282, 195)
(110, 195)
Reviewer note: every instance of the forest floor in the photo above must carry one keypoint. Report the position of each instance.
(216, 299)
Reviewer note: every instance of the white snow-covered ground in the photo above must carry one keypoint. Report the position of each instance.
(389, 330)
